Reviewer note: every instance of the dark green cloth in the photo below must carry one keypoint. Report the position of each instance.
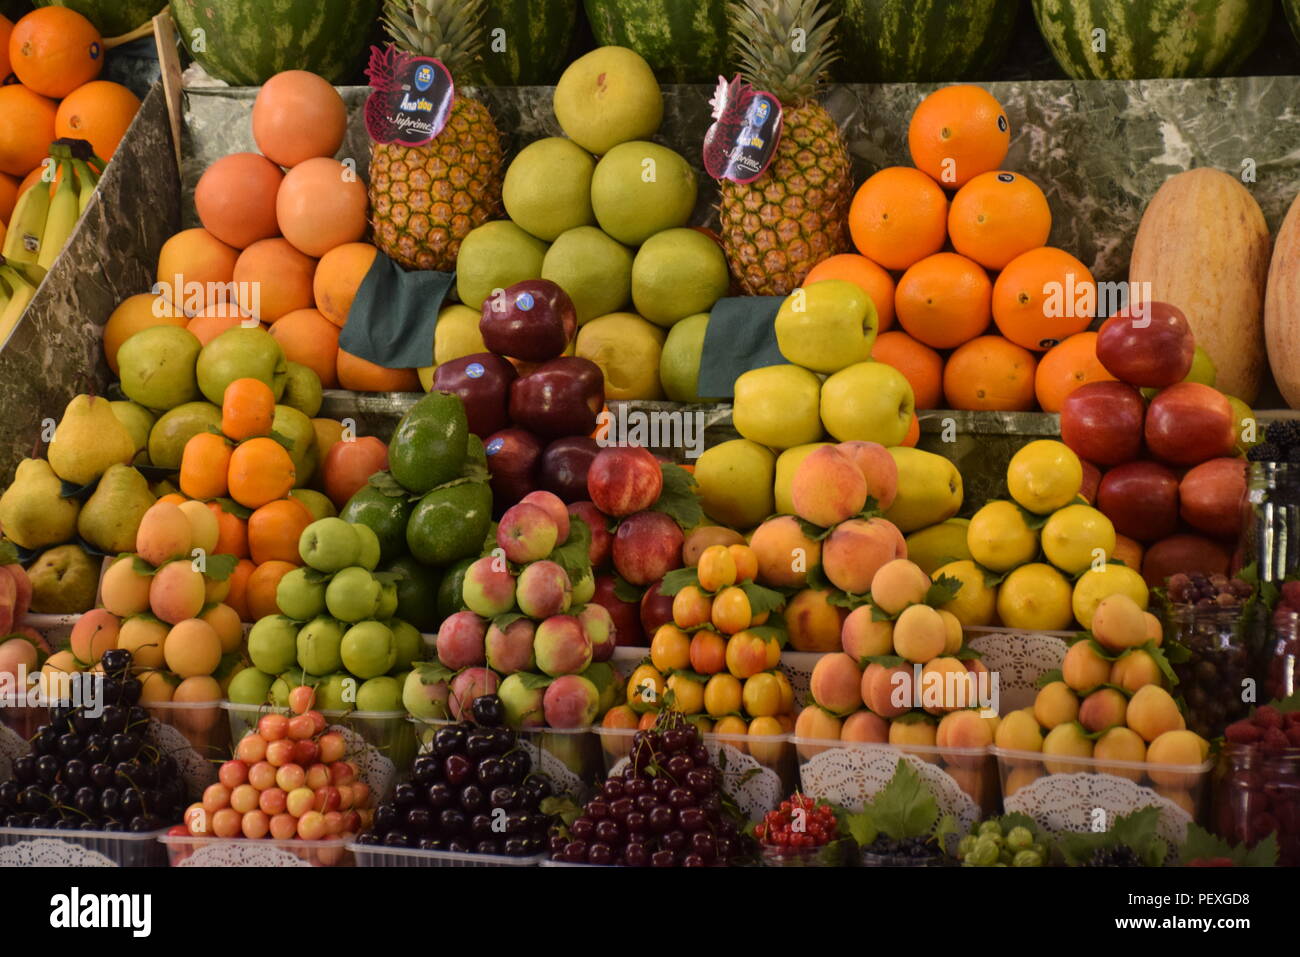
(741, 336)
(393, 316)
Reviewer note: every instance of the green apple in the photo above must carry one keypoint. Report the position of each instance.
(1203, 371)
(777, 406)
(380, 694)
(353, 594)
(826, 326)
(297, 428)
(407, 640)
(929, 490)
(329, 545)
(368, 552)
(318, 646)
(337, 692)
(1248, 431)
(868, 402)
(299, 596)
(286, 682)
(368, 649)
(273, 644)
(250, 686)
(387, 601)
(318, 503)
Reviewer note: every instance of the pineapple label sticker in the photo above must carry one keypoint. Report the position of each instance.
(746, 126)
(411, 97)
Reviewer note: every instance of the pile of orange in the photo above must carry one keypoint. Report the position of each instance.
(953, 251)
(49, 64)
(281, 239)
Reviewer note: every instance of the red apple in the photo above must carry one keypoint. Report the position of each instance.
(626, 614)
(482, 381)
(1091, 481)
(656, 608)
(1191, 554)
(1141, 500)
(565, 465)
(532, 320)
(1149, 344)
(1102, 422)
(558, 398)
(647, 546)
(512, 458)
(1213, 497)
(624, 479)
(348, 466)
(1189, 423)
(602, 542)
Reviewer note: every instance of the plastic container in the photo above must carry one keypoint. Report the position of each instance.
(188, 851)
(758, 771)
(1086, 794)
(1258, 794)
(375, 855)
(46, 847)
(838, 853)
(24, 721)
(1223, 644)
(196, 734)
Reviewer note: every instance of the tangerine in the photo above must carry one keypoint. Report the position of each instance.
(247, 409)
(204, 464)
(54, 50)
(274, 530)
(310, 339)
(260, 471)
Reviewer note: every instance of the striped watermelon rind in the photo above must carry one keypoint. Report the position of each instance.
(1155, 38)
(111, 18)
(246, 42)
(537, 36)
(684, 41)
(923, 41)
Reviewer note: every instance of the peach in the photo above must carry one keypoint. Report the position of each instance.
(954, 634)
(1066, 741)
(570, 701)
(920, 634)
(1019, 731)
(122, 590)
(887, 691)
(1127, 552)
(598, 625)
(877, 467)
(898, 584)
(527, 533)
(17, 653)
(1084, 668)
(554, 506)
(912, 733)
(460, 640)
(1120, 744)
(946, 685)
(1118, 623)
(861, 636)
(785, 553)
(813, 622)
(691, 607)
(857, 549)
(1134, 670)
(510, 649)
(1152, 712)
(828, 487)
(836, 684)
(164, 533)
(488, 588)
(144, 637)
(1055, 704)
(1102, 709)
(746, 654)
(561, 646)
(865, 726)
(543, 590)
(177, 592)
(467, 686)
(964, 729)
(698, 539)
(817, 724)
(94, 633)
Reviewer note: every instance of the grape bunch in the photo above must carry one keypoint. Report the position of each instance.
(665, 810)
(93, 771)
(1207, 591)
(887, 851)
(474, 792)
(1281, 443)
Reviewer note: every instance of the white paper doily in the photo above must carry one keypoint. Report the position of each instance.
(372, 766)
(12, 746)
(850, 777)
(754, 787)
(241, 854)
(51, 852)
(1069, 802)
(196, 771)
(1018, 658)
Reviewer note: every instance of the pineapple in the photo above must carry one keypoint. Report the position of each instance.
(778, 227)
(425, 199)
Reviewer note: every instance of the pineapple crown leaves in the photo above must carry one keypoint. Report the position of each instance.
(447, 30)
(784, 46)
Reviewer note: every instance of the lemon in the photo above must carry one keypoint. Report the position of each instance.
(939, 544)
(735, 483)
(1078, 536)
(1035, 597)
(1044, 476)
(975, 604)
(627, 349)
(678, 273)
(999, 538)
(1098, 583)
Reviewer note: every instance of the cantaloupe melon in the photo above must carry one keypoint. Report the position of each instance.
(1282, 308)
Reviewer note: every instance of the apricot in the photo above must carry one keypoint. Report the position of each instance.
(731, 612)
(963, 730)
(1155, 632)
(691, 607)
(1066, 741)
(747, 654)
(857, 549)
(1152, 711)
(784, 552)
(816, 724)
(787, 694)
(920, 634)
(1177, 748)
(954, 634)
(225, 622)
(1084, 668)
(813, 622)
(766, 752)
(156, 687)
(645, 689)
(143, 637)
(94, 633)
(732, 725)
(1120, 744)
(670, 648)
(716, 568)
(761, 695)
(164, 533)
(1019, 732)
(863, 637)
(897, 584)
(912, 733)
(946, 685)
(688, 694)
(122, 590)
(708, 652)
(1180, 797)
(1134, 670)
(192, 648)
(204, 529)
(836, 684)
(887, 691)
(746, 562)
(1019, 778)
(1055, 705)
(828, 487)
(698, 539)
(1102, 709)
(177, 592)
(865, 726)
(1118, 623)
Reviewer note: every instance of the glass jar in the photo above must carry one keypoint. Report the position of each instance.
(1222, 645)
(1279, 666)
(1259, 795)
(935, 858)
(1273, 525)
(833, 854)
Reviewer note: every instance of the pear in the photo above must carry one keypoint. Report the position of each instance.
(88, 440)
(32, 514)
(64, 581)
(302, 390)
(138, 422)
(112, 514)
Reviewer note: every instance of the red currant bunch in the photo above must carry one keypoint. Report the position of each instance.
(798, 822)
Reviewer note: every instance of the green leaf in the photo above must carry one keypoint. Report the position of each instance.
(625, 590)
(1201, 845)
(761, 599)
(574, 556)
(770, 630)
(679, 578)
(1047, 677)
(385, 483)
(967, 653)
(143, 568)
(315, 576)
(219, 568)
(887, 661)
(601, 674)
(1288, 704)
(533, 681)
(992, 579)
(860, 827)
(231, 507)
(282, 439)
(1032, 519)
(1175, 651)
(432, 672)
(561, 807)
(870, 509)
(915, 717)
(475, 471)
(1161, 661)
(688, 674)
(943, 590)
(8, 553)
(905, 807)
(679, 500)
(810, 531)
(504, 620)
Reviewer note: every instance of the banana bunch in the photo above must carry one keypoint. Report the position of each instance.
(41, 225)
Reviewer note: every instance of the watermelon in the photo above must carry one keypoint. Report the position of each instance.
(526, 42)
(684, 41)
(246, 42)
(1154, 38)
(111, 18)
(921, 41)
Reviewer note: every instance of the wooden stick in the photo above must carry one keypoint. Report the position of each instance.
(164, 34)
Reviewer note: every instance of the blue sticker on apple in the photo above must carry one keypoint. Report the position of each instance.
(474, 370)
(525, 301)
(495, 446)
